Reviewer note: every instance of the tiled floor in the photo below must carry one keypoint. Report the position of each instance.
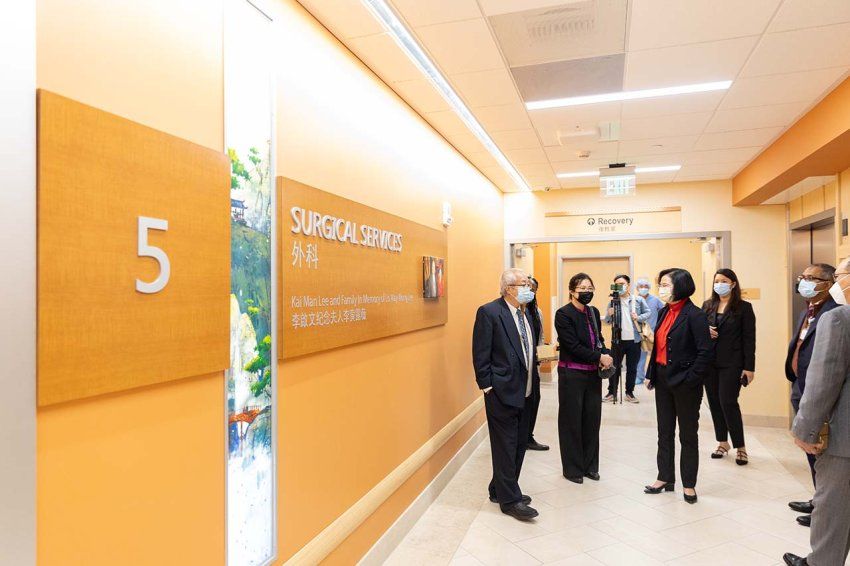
(741, 518)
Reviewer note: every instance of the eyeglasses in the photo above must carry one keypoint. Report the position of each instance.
(584, 289)
(811, 278)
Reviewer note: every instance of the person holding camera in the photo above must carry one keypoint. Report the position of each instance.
(732, 324)
(681, 356)
(633, 311)
(582, 354)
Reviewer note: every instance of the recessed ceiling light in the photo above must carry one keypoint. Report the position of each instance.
(658, 169)
(627, 95)
(405, 40)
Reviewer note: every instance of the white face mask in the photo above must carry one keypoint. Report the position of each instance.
(838, 293)
(665, 294)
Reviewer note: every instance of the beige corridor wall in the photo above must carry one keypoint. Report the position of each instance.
(138, 477)
(759, 257)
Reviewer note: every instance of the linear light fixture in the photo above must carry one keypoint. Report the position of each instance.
(402, 36)
(581, 174)
(627, 95)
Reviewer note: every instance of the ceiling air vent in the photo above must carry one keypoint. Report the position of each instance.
(574, 30)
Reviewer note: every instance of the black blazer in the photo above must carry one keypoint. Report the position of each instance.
(497, 354)
(690, 349)
(806, 347)
(574, 338)
(735, 346)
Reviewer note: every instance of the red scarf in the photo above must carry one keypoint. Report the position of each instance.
(664, 329)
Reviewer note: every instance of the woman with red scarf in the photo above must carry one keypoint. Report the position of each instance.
(681, 356)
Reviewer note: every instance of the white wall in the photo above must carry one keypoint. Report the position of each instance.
(17, 284)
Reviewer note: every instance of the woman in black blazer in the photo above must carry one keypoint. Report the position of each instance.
(733, 329)
(681, 356)
(582, 353)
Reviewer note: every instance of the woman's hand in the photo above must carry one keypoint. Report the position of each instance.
(606, 361)
(750, 375)
(611, 311)
(648, 384)
(713, 331)
(634, 316)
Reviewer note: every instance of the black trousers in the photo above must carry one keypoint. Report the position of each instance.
(795, 402)
(508, 428)
(579, 419)
(533, 407)
(631, 352)
(680, 405)
(722, 387)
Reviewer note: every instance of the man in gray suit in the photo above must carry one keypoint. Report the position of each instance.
(827, 399)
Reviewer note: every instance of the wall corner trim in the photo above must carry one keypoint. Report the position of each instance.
(335, 533)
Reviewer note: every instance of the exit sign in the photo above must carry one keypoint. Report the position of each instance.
(617, 185)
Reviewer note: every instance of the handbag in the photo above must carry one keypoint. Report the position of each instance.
(647, 335)
(604, 373)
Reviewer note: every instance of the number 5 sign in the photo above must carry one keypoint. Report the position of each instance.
(133, 254)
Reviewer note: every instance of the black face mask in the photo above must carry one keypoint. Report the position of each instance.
(585, 297)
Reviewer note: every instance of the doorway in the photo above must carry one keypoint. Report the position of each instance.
(602, 270)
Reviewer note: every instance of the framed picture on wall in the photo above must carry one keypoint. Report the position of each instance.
(433, 277)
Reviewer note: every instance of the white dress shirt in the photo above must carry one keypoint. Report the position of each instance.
(529, 356)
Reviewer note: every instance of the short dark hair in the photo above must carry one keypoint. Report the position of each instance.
(683, 283)
(624, 276)
(827, 269)
(578, 278)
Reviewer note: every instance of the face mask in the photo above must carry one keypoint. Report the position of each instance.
(665, 294)
(722, 289)
(807, 289)
(838, 293)
(525, 295)
(585, 297)
(643, 291)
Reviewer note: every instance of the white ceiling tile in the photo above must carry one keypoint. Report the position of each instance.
(757, 117)
(553, 122)
(536, 169)
(698, 102)
(687, 64)
(653, 160)
(528, 156)
(381, 54)
(800, 50)
(795, 14)
(344, 18)
(652, 178)
(465, 142)
(486, 88)
(659, 23)
(723, 169)
(742, 138)
(735, 155)
(664, 126)
(421, 95)
(658, 146)
(446, 122)
(606, 151)
(779, 89)
(579, 183)
(482, 159)
(505, 117)
(462, 47)
(418, 13)
(516, 139)
(579, 166)
(495, 7)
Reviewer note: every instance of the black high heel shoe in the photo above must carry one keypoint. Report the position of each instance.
(690, 498)
(656, 490)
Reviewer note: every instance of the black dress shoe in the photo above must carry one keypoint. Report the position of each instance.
(592, 476)
(520, 511)
(669, 486)
(576, 480)
(534, 445)
(525, 499)
(794, 560)
(802, 506)
(690, 498)
(805, 520)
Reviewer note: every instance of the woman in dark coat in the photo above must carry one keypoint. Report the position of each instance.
(681, 357)
(582, 353)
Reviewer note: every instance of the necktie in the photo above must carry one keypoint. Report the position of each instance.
(524, 335)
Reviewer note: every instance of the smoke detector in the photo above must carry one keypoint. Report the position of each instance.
(583, 154)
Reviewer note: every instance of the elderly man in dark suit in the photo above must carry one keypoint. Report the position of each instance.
(813, 285)
(504, 355)
(827, 400)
